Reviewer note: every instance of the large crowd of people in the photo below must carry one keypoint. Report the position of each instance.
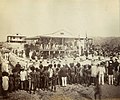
(48, 75)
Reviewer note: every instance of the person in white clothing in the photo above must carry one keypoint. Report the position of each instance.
(5, 83)
(51, 71)
(30, 54)
(101, 72)
(94, 73)
(5, 66)
(23, 76)
(63, 73)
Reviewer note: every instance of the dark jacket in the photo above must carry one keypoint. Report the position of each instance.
(63, 72)
(115, 65)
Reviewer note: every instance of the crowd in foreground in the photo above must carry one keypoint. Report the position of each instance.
(49, 76)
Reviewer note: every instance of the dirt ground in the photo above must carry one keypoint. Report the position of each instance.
(71, 92)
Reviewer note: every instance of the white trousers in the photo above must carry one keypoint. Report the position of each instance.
(101, 79)
(110, 79)
(64, 81)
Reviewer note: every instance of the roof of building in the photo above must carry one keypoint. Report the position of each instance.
(57, 34)
(17, 34)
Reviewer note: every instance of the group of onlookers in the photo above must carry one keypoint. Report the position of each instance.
(50, 76)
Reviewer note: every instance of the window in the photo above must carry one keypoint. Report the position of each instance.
(13, 37)
(62, 33)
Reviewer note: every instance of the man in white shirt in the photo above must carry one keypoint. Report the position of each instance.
(101, 71)
(94, 73)
(23, 76)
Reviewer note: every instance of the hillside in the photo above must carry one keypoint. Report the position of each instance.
(112, 41)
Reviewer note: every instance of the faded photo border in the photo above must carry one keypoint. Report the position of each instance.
(97, 19)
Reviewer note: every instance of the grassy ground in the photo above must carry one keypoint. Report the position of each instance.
(71, 92)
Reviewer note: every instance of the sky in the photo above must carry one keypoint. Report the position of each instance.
(79, 17)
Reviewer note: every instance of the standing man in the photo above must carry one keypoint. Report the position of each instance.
(33, 80)
(23, 77)
(101, 71)
(110, 72)
(72, 70)
(63, 73)
(78, 69)
(98, 91)
(46, 75)
(115, 66)
(51, 71)
(94, 73)
(18, 67)
(38, 78)
(41, 76)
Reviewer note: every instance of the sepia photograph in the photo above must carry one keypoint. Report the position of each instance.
(59, 49)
